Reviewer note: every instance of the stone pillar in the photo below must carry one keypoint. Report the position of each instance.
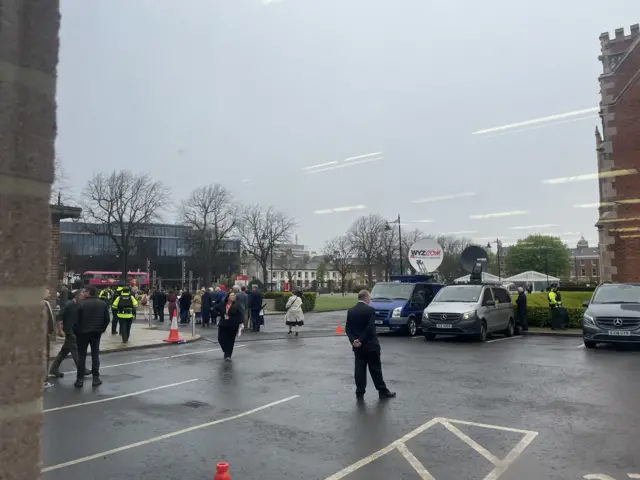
(28, 61)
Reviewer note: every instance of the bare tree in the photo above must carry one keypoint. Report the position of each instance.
(121, 205)
(339, 254)
(452, 247)
(211, 214)
(260, 230)
(389, 250)
(61, 192)
(365, 236)
(289, 263)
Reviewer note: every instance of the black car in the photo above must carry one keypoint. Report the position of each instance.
(612, 315)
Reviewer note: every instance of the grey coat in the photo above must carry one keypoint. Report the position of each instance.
(242, 299)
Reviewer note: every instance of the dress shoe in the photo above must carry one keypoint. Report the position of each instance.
(387, 394)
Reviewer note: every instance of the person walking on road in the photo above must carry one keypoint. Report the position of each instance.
(361, 330)
(92, 322)
(67, 319)
(230, 322)
(255, 305)
(294, 318)
(521, 310)
(125, 305)
(47, 318)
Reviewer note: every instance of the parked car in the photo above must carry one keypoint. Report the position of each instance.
(469, 310)
(399, 304)
(612, 315)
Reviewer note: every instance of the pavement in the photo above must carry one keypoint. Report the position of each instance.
(520, 408)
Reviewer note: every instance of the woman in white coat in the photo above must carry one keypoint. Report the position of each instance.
(294, 318)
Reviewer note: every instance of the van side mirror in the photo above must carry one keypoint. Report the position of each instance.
(585, 304)
(489, 303)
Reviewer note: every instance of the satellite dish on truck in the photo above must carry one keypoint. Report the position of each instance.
(473, 260)
(425, 255)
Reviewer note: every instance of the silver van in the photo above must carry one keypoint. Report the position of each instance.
(472, 310)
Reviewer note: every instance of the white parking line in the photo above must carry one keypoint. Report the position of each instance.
(119, 396)
(165, 436)
(580, 346)
(155, 359)
(502, 339)
(400, 445)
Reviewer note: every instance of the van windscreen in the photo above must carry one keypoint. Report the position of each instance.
(392, 291)
(455, 293)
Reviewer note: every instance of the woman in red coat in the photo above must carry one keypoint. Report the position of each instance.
(172, 299)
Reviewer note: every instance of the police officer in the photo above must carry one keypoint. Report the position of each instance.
(114, 311)
(125, 306)
(554, 305)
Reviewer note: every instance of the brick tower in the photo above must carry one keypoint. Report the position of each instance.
(618, 148)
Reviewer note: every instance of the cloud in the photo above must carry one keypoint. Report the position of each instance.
(535, 121)
(498, 214)
(591, 176)
(444, 197)
(346, 162)
(461, 232)
(530, 227)
(423, 221)
(339, 209)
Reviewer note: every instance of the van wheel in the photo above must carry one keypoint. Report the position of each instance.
(412, 328)
(509, 332)
(589, 344)
(429, 337)
(482, 336)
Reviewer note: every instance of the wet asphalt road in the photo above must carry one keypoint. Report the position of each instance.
(583, 405)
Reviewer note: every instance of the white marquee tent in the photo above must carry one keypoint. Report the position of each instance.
(539, 281)
(486, 277)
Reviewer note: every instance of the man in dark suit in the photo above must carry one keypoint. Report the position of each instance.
(361, 330)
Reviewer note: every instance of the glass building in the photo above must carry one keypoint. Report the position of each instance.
(86, 247)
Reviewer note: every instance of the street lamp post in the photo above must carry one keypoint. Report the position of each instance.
(498, 245)
(389, 227)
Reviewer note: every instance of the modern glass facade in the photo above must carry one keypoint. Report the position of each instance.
(84, 247)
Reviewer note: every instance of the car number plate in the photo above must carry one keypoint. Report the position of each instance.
(379, 322)
(620, 333)
(444, 325)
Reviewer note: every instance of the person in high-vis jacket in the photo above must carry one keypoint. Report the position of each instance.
(125, 306)
(555, 304)
(114, 312)
(105, 295)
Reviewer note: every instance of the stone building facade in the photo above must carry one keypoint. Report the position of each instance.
(28, 66)
(618, 152)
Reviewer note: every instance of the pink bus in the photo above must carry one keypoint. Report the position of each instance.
(105, 279)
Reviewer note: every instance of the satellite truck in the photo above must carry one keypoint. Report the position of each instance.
(399, 304)
(474, 309)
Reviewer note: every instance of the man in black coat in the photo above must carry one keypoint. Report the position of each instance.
(91, 323)
(361, 330)
(159, 302)
(255, 305)
(521, 310)
(206, 306)
(68, 317)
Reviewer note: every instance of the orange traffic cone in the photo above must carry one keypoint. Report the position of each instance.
(173, 332)
(222, 472)
(339, 330)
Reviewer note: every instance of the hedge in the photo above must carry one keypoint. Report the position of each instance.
(281, 298)
(541, 317)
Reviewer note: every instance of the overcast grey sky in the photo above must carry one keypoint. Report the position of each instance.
(235, 90)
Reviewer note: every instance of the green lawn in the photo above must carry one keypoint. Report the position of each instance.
(569, 299)
(325, 303)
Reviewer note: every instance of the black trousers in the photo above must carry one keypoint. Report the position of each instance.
(70, 346)
(86, 340)
(155, 311)
(227, 339)
(160, 312)
(206, 316)
(522, 320)
(371, 359)
(125, 327)
(114, 321)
